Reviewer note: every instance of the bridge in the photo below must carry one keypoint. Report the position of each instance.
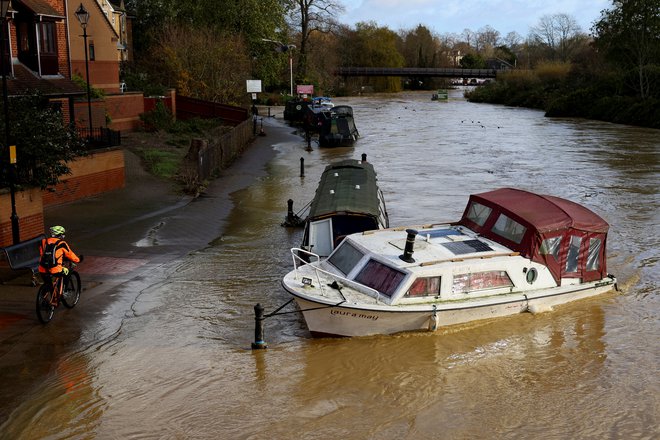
(417, 72)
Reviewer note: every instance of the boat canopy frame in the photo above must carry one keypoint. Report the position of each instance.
(566, 237)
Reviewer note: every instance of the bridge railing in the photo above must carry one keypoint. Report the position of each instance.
(417, 71)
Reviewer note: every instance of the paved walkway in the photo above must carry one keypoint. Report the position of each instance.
(127, 231)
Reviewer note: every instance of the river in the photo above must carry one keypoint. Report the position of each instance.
(179, 365)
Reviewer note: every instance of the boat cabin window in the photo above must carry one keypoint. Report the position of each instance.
(429, 286)
(478, 213)
(509, 229)
(469, 282)
(345, 257)
(593, 259)
(380, 277)
(573, 254)
(551, 246)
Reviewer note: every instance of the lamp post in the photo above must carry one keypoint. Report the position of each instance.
(281, 47)
(15, 232)
(83, 18)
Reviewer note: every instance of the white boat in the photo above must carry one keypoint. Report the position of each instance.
(511, 252)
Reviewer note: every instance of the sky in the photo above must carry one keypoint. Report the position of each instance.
(454, 16)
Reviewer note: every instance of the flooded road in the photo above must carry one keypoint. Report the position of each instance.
(173, 358)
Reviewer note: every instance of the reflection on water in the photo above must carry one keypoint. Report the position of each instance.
(180, 365)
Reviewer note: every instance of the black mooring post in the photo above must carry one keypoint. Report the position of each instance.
(308, 137)
(289, 211)
(302, 167)
(364, 157)
(259, 342)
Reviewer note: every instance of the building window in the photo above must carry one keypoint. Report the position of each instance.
(92, 53)
(47, 37)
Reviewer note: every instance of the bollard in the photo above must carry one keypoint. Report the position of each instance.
(302, 167)
(308, 137)
(289, 211)
(259, 342)
(364, 157)
(269, 112)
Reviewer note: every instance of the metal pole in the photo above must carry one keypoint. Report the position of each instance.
(291, 71)
(259, 343)
(89, 95)
(15, 232)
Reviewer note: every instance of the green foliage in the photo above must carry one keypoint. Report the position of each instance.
(160, 118)
(161, 163)
(80, 82)
(44, 143)
(629, 36)
(473, 61)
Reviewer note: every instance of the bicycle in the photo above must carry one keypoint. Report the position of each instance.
(64, 289)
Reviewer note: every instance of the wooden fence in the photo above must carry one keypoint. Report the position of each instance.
(187, 108)
(207, 158)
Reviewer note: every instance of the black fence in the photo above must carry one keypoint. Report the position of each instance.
(100, 137)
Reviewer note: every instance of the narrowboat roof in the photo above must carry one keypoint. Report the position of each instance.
(348, 186)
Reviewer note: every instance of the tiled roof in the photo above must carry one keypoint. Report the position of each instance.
(40, 7)
(25, 82)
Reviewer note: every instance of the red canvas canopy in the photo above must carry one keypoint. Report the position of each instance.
(566, 237)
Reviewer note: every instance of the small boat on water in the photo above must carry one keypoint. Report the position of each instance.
(441, 95)
(347, 201)
(337, 127)
(512, 251)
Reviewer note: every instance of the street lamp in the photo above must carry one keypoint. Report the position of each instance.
(83, 18)
(285, 48)
(15, 232)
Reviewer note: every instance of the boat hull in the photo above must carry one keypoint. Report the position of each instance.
(327, 319)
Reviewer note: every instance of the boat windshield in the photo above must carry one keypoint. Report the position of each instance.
(378, 276)
(345, 257)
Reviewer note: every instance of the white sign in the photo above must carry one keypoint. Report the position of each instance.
(253, 85)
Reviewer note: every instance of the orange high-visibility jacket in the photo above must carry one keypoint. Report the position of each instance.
(61, 251)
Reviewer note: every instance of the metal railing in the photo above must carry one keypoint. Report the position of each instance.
(337, 278)
(100, 137)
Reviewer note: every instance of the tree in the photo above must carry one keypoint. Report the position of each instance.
(44, 143)
(201, 63)
(473, 61)
(309, 17)
(560, 34)
(630, 35)
(487, 39)
(249, 21)
(420, 48)
(372, 46)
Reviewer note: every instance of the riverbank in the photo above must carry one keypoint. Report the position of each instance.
(568, 98)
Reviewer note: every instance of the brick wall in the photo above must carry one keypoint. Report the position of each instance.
(29, 208)
(103, 75)
(99, 172)
(125, 110)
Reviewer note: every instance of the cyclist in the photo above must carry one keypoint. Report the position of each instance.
(61, 250)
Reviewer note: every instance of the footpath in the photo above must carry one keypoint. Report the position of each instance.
(147, 223)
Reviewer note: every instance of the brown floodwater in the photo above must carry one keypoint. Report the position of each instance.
(174, 360)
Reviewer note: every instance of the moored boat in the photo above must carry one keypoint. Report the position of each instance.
(347, 200)
(337, 127)
(512, 251)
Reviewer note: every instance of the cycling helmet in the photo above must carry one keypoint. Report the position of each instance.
(57, 231)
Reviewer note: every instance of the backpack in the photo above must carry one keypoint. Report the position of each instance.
(48, 259)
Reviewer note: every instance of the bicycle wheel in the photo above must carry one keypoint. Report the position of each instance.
(44, 308)
(72, 289)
